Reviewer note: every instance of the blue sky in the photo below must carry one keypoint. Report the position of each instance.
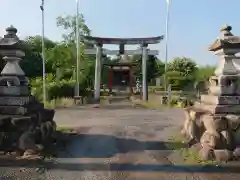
(194, 24)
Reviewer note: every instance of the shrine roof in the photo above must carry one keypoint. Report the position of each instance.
(227, 40)
(129, 41)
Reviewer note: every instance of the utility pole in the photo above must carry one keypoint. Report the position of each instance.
(43, 56)
(77, 47)
(166, 45)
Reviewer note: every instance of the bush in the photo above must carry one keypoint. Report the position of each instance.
(65, 88)
(181, 102)
(62, 89)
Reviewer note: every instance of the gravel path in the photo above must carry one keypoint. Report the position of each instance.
(118, 144)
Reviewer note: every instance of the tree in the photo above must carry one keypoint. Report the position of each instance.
(152, 66)
(204, 73)
(32, 62)
(160, 68)
(61, 56)
(35, 43)
(185, 66)
(181, 73)
(69, 25)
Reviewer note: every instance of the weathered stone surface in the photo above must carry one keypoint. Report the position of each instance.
(196, 147)
(210, 124)
(194, 131)
(186, 123)
(19, 120)
(14, 91)
(223, 100)
(206, 154)
(44, 131)
(26, 141)
(9, 81)
(221, 109)
(236, 153)
(13, 110)
(227, 140)
(1, 138)
(4, 120)
(16, 101)
(222, 90)
(223, 155)
(21, 123)
(193, 125)
(233, 121)
(183, 132)
(236, 137)
(221, 123)
(46, 114)
(210, 140)
(49, 128)
(19, 110)
(54, 125)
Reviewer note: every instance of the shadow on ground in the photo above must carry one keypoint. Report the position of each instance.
(106, 146)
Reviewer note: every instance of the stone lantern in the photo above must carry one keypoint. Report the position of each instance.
(24, 122)
(216, 117)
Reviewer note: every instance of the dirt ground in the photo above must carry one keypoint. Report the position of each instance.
(118, 143)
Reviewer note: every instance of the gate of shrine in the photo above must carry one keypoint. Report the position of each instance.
(99, 52)
(121, 75)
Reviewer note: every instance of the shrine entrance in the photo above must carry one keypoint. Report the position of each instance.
(121, 74)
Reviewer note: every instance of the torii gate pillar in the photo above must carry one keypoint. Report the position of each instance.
(144, 72)
(98, 69)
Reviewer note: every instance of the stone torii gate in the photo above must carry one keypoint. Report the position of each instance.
(99, 51)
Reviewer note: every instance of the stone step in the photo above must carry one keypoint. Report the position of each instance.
(14, 91)
(224, 100)
(16, 101)
(20, 110)
(219, 109)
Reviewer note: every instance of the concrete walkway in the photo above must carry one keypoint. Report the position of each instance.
(121, 144)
